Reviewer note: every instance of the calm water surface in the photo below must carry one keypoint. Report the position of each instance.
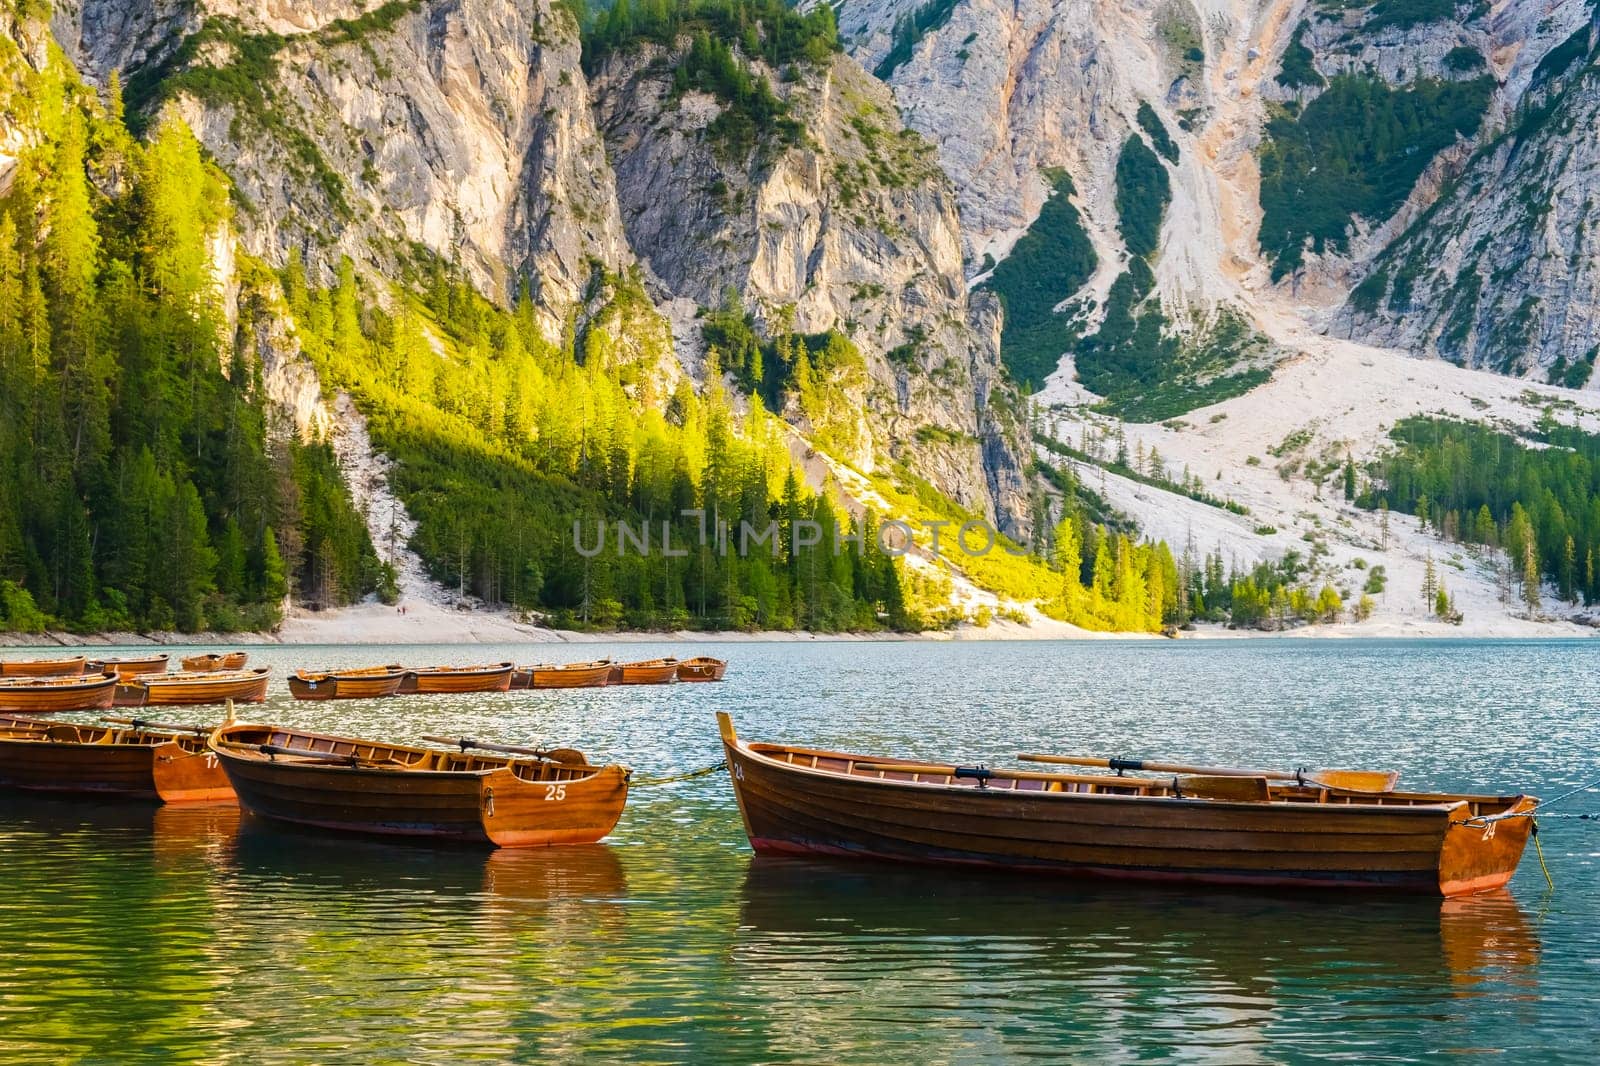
(190, 934)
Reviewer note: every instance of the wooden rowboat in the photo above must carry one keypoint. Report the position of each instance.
(214, 661)
(568, 675)
(363, 786)
(46, 695)
(369, 682)
(702, 668)
(129, 666)
(649, 672)
(43, 667)
(141, 761)
(1210, 829)
(433, 680)
(191, 687)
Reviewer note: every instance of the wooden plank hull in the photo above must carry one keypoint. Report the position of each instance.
(826, 809)
(214, 661)
(179, 690)
(49, 696)
(345, 686)
(130, 666)
(659, 672)
(702, 669)
(443, 681)
(98, 761)
(43, 667)
(490, 802)
(593, 676)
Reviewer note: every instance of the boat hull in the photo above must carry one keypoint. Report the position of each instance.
(585, 677)
(445, 682)
(492, 807)
(212, 662)
(43, 667)
(341, 687)
(702, 670)
(644, 673)
(152, 664)
(194, 691)
(799, 811)
(173, 771)
(87, 694)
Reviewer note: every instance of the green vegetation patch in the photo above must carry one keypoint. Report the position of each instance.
(1464, 59)
(1355, 151)
(1298, 71)
(1151, 123)
(1147, 372)
(1046, 266)
(909, 29)
(1403, 14)
(726, 35)
(1143, 192)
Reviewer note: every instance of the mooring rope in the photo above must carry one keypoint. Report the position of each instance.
(1483, 821)
(649, 782)
(1538, 849)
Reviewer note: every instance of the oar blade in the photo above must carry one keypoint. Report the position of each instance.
(1355, 780)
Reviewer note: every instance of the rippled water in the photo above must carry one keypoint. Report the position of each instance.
(190, 934)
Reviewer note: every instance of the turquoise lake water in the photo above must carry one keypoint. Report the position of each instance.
(132, 932)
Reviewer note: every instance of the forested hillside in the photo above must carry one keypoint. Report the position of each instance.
(1532, 504)
(139, 485)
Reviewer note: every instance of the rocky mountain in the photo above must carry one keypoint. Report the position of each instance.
(470, 131)
(1502, 269)
(890, 220)
(851, 228)
(1351, 162)
(373, 129)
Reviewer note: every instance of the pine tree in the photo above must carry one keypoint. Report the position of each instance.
(1430, 583)
(1530, 577)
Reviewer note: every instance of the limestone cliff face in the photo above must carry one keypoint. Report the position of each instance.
(1503, 271)
(1008, 88)
(854, 227)
(461, 127)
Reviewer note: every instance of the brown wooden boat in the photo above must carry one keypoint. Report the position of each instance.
(129, 666)
(140, 760)
(47, 695)
(648, 672)
(71, 665)
(211, 662)
(188, 687)
(702, 668)
(434, 680)
(1236, 830)
(479, 796)
(567, 675)
(362, 683)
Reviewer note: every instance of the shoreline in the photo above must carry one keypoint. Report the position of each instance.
(485, 627)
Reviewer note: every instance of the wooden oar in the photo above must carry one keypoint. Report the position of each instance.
(1201, 786)
(1348, 780)
(567, 755)
(141, 724)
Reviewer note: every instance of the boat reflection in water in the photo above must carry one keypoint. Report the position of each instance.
(580, 873)
(870, 940)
